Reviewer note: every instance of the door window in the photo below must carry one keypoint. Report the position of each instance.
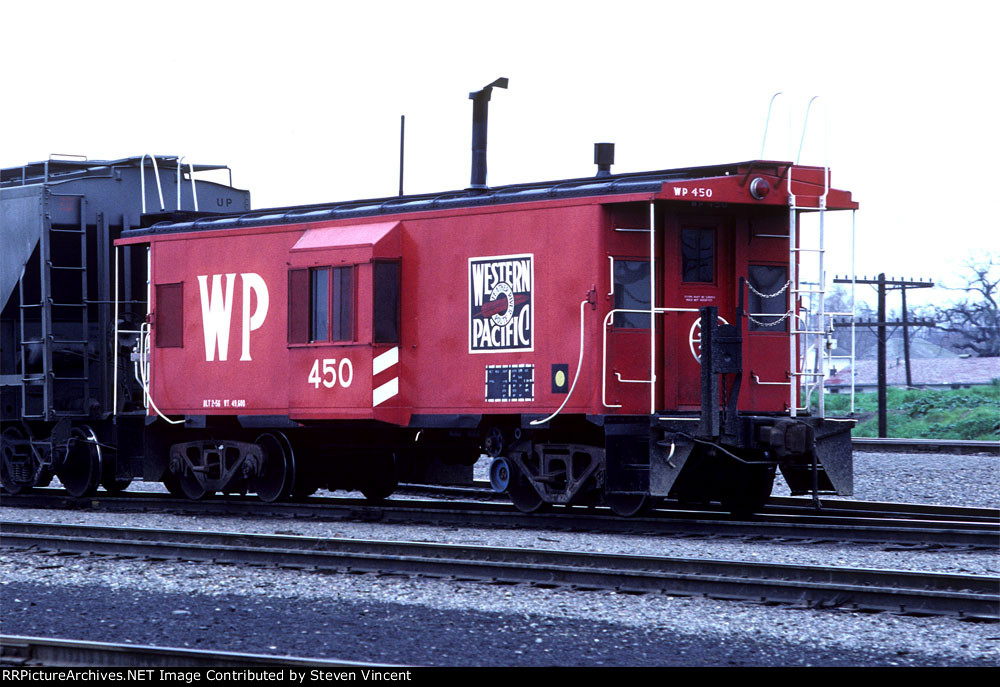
(632, 293)
(698, 255)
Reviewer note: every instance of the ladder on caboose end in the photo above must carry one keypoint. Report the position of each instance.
(804, 323)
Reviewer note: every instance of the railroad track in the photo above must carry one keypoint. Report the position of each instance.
(29, 652)
(926, 446)
(784, 518)
(966, 596)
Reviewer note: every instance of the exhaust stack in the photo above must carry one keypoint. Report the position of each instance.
(604, 157)
(480, 111)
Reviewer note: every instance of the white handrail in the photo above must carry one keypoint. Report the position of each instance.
(142, 372)
(604, 356)
(579, 364)
(793, 352)
(820, 336)
(142, 180)
(854, 283)
(767, 122)
(652, 307)
(194, 193)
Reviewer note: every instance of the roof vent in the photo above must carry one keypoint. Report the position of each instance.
(604, 157)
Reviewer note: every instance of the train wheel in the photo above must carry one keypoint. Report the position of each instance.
(522, 494)
(627, 505)
(191, 487)
(17, 469)
(748, 488)
(81, 469)
(116, 485)
(277, 474)
(180, 480)
(381, 479)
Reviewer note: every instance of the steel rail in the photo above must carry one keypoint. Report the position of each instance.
(46, 651)
(795, 524)
(967, 596)
(924, 511)
(960, 446)
(481, 490)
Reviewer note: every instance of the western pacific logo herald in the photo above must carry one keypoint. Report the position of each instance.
(501, 303)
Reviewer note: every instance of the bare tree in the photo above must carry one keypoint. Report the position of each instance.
(975, 320)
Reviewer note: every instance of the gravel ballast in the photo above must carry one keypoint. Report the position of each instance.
(418, 621)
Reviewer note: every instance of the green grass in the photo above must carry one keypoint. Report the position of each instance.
(972, 413)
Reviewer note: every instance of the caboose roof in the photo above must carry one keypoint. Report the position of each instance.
(635, 183)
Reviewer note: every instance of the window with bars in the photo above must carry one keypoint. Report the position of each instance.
(698, 255)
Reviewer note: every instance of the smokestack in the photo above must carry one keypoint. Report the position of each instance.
(480, 111)
(604, 157)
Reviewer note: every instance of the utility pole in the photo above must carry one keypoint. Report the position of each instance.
(883, 285)
(883, 420)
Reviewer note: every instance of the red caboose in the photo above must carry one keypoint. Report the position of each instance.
(615, 339)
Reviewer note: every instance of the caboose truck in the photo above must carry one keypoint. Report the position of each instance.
(615, 339)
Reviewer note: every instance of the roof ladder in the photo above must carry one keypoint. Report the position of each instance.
(811, 325)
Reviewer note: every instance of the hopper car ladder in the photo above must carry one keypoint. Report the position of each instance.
(55, 352)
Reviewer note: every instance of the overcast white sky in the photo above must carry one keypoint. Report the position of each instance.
(302, 99)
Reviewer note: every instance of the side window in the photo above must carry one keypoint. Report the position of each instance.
(632, 293)
(170, 315)
(698, 255)
(342, 321)
(385, 324)
(298, 306)
(768, 298)
(321, 304)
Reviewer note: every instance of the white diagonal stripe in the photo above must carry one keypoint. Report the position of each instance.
(385, 360)
(385, 392)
